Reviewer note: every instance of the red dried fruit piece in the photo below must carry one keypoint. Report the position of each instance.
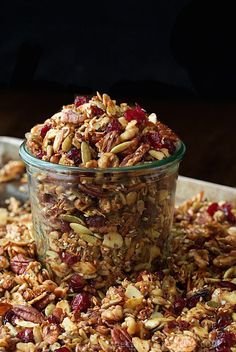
(80, 101)
(96, 221)
(183, 325)
(26, 335)
(96, 111)
(114, 125)
(4, 307)
(40, 154)
(44, 130)
(69, 259)
(136, 113)
(81, 302)
(62, 349)
(153, 139)
(74, 154)
(10, 317)
(227, 284)
(179, 305)
(212, 208)
(223, 321)
(19, 263)
(122, 340)
(76, 283)
(224, 341)
(65, 226)
(52, 319)
(193, 300)
(227, 209)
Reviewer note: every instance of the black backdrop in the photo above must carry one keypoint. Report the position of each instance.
(163, 48)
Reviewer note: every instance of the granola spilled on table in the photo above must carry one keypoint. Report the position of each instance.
(98, 133)
(188, 305)
(98, 223)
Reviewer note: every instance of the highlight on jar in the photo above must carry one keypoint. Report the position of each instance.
(102, 180)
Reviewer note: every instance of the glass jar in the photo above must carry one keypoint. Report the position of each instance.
(101, 223)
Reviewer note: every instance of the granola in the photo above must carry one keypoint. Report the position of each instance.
(83, 132)
(186, 306)
(101, 223)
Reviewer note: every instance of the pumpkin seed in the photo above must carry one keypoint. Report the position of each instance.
(80, 229)
(90, 239)
(85, 152)
(71, 218)
(156, 154)
(121, 147)
(67, 143)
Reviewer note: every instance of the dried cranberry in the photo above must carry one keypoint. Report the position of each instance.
(65, 227)
(172, 324)
(223, 321)
(81, 302)
(80, 101)
(96, 221)
(76, 282)
(62, 349)
(224, 341)
(96, 111)
(10, 317)
(74, 154)
(227, 209)
(169, 145)
(227, 284)
(136, 113)
(26, 335)
(160, 274)
(40, 154)
(193, 300)
(114, 125)
(44, 130)
(183, 325)
(212, 208)
(179, 305)
(52, 319)
(69, 259)
(153, 139)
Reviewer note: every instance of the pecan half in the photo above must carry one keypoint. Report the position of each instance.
(19, 263)
(90, 190)
(28, 313)
(137, 156)
(106, 143)
(122, 340)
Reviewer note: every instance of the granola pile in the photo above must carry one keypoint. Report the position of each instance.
(98, 223)
(187, 305)
(98, 133)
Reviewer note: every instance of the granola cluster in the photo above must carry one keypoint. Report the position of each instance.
(98, 133)
(187, 305)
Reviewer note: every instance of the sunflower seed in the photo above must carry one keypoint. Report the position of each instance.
(120, 147)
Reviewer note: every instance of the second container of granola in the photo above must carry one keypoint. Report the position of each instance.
(101, 223)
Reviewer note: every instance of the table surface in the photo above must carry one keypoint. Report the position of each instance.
(207, 127)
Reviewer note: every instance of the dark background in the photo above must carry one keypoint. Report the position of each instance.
(173, 57)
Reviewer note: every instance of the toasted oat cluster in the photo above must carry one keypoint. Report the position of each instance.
(188, 305)
(98, 133)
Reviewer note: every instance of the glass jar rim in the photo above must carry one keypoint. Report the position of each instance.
(31, 160)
